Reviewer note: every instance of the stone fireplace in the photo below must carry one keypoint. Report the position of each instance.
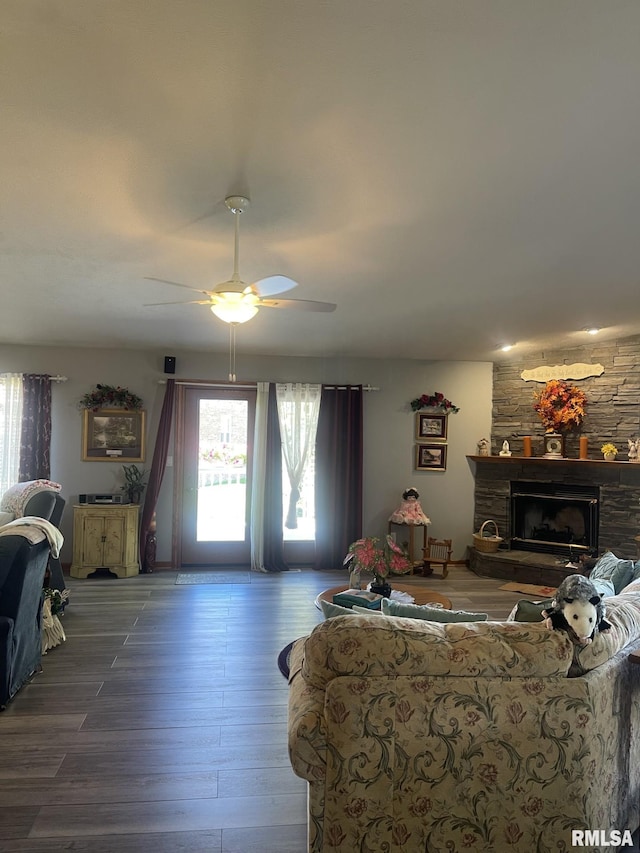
(583, 503)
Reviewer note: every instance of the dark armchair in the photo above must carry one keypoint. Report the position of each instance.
(22, 569)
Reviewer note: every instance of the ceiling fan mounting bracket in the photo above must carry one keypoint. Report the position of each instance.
(237, 203)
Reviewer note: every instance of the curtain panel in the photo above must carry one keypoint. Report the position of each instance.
(35, 433)
(298, 406)
(158, 465)
(339, 468)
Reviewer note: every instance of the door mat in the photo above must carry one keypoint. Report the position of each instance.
(529, 589)
(221, 576)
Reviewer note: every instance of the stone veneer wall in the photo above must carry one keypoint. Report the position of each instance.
(613, 399)
(612, 414)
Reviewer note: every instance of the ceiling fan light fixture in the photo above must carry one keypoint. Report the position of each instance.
(234, 310)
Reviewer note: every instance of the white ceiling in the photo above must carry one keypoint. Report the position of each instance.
(454, 174)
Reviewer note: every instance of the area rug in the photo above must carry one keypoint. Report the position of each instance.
(220, 576)
(529, 589)
(283, 660)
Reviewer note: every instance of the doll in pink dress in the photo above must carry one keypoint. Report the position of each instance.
(409, 511)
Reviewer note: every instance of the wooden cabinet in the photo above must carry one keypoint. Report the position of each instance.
(105, 537)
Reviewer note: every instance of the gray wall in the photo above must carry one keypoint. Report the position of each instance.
(447, 497)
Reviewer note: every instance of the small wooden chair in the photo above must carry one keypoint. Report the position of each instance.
(437, 552)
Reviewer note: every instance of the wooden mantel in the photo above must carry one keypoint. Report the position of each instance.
(542, 460)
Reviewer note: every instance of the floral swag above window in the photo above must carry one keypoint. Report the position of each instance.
(106, 396)
(434, 401)
(560, 406)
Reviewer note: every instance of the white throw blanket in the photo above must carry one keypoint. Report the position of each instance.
(35, 530)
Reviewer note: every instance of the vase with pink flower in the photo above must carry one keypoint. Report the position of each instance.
(379, 558)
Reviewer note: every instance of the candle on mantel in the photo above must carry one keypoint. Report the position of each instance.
(584, 447)
(526, 445)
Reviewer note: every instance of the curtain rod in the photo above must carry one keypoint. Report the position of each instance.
(344, 387)
(205, 384)
(51, 378)
(232, 385)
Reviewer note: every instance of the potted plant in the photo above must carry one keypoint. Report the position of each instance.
(379, 558)
(134, 482)
(609, 450)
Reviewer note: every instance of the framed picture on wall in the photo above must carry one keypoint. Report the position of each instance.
(113, 435)
(431, 427)
(431, 457)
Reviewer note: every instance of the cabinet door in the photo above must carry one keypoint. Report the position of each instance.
(114, 540)
(92, 540)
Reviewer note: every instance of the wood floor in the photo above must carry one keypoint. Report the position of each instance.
(160, 725)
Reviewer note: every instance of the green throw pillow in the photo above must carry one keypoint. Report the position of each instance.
(530, 611)
(390, 607)
(365, 611)
(330, 610)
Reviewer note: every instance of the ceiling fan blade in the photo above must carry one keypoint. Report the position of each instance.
(273, 284)
(300, 304)
(176, 284)
(191, 302)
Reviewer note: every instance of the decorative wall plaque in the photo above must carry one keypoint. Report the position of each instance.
(562, 371)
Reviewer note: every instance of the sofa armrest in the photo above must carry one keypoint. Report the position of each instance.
(306, 727)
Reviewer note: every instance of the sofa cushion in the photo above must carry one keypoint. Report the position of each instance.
(390, 607)
(614, 569)
(374, 646)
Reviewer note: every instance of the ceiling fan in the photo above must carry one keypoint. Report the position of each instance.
(236, 302)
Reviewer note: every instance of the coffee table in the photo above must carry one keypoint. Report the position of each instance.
(420, 594)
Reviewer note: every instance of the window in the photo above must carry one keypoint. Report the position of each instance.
(10, 427)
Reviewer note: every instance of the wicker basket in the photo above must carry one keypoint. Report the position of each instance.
(487, 544)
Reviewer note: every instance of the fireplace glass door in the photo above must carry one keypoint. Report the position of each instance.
(554, 517)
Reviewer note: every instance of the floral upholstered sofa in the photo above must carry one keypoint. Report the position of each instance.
(487, 736)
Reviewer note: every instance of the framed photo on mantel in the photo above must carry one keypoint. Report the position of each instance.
(113, 435)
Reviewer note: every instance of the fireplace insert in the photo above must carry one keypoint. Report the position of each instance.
(554, 517)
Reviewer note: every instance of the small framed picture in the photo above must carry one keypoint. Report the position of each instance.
(431, 457)
(431, 427)
(113, 435)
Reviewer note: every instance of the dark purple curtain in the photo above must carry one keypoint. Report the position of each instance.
(35, 436)
(339, 465)
(273, 544)
(158, 465)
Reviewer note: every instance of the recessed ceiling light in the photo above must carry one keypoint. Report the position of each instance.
(506, 347)
(591, 330)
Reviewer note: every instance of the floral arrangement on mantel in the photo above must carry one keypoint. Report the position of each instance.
(433, 401)
(560, 406)
(106, 396)
(379, 558)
